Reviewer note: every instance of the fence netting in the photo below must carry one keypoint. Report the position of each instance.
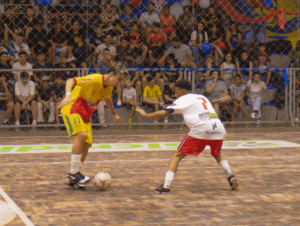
(236, 41)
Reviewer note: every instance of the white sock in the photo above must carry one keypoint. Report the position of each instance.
(5, 120)
(80, 166)
(75, 161)
(33, 120)
(169, 177)
(225, 167)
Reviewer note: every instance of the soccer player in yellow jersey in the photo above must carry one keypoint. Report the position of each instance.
(77, 108)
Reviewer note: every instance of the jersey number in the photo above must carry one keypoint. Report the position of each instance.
(203, 103)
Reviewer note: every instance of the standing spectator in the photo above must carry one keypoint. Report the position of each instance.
(128, 18)
(63, 75)
(182, 52)
(217, 92)
(228, 76)
(6, 99)
(237, 92)
(16, 47)
(262, 60)
(25, 93)
(233, 40)
(214, 37)
(22, 64)
(129, 98)
(156, 40)
(8, 76)
(254, 91)
(185, 25)
(98, 54)
(41, 64)
(167, 19)
(45, 101)
(79, 50)
(108, 16)
(153, 96)
(245, 63)
(149, 17)
(58, 90)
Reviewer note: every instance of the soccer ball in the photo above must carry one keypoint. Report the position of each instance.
(102, 180)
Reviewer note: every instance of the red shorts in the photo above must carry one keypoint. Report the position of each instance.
(194, 146)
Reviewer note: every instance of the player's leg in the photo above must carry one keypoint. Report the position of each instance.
(235, 108)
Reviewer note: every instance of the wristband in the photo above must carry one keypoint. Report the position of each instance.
(113, 113)
(68, 93)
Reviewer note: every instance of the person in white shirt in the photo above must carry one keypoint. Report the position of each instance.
(205, 129)
(25, 93)
(98, 54)
(149, 17)
(16, 47)
(129, 98)
(22, 64)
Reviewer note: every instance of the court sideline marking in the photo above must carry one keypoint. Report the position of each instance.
(13, 206)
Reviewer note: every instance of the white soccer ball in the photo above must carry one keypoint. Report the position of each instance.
(102, 180)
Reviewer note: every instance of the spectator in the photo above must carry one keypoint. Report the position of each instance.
(214, 37)
(149, 17)
(185, 25)
(79, 50)
(253, 38)
(42, 64)
(169, 95)
(128, 18)
(254, 91)
(129, 98)
(3, 49)
(213, 18)
(237, 92)
(22, 64)
(63, 76)
(75, 30)
(182, 52)
(136, 42)
(97, 37)
(123, 49)
(116, 32)
(6, 99)
(98, 54)
(24, 100)
(172, 76)
(11, 24)
(153, 96)
(101, 113)
(8, 76)
(198, 37)
(228, 75)
(245, 63)
(233, 40)
(27, 22)
(156, 40)
(167, 19)
(58, 90)
(209, 63)
(45, 101)
(217, 92)
(262, 60)
(109, 16)
(16, 47)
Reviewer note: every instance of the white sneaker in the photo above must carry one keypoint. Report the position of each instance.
(33, 123)
(166, 120)
(155, 121)
(161, 104)
(119, 102)
(257, 121)
(17, 123)
(252, 115)
(296, 119)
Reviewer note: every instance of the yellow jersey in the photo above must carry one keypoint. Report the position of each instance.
(152, 93)
(87, 94)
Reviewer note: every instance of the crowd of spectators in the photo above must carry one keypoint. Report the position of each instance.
(143, 36)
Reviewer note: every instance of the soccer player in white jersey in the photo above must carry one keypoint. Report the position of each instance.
(205, 129)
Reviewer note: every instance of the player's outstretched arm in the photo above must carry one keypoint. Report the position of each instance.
(157, 114)
(67, 100)
(110, 106)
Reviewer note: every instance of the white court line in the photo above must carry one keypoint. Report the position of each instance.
(13, 206)
(153, 160)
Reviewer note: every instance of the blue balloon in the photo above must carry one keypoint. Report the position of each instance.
(206, 48)
(43, 2)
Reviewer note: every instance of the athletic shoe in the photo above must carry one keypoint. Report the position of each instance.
(252, 115)
(74, 185)
(232, 181)
(162, 189)
(17, 123)
(129, 120)
(166, 120)
(5, 123)
(119, 102)
(33, 123)
(257, 121)
(155, 121)
(79, 178)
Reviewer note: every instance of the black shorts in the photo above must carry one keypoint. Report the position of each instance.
(128, 106)
(20, 102)
(78, 63)
(3, 103)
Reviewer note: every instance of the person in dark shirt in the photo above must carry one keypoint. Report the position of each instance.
(173, 76)
(63, 75)
(9, 76)
(6, 99)
(58, 90)
(11, 23)
(169, 93)
(123, 48)
(98, 37)
(79, 52)
(27, 22)
(42, 64)
(76, 29)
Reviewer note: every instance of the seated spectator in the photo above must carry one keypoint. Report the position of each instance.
(169, 95)
(108, 16)
(8, 75)
(182, 52)
(75, 30)
(22, 64)
(24, 100)
(11, 24)
(63, 76)
(27, 22)
(42, 64)
(175, 75)
(209, 63)
(6, 99)
(262, 60)
(253, 38)
(128, 18)
(79, 50)
(136, 42)
(156, 40)
(237, 92)
(153, 96)
(185, 25)
(228, 76)
(255, 92)
(97, 37)
(58, 38)
(58, 90)
(16, 47)
(214, 37)
(217, 92)
(245, 63)
(123, 48)
(198, 37)
(38, 40)
(98, 54)
(167, 19)
(116, 32)
(129, 98)
(149, 17)
(45, 101)
(211, 18)
(233, 40)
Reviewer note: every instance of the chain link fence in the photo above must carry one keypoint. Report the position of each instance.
(160, 42)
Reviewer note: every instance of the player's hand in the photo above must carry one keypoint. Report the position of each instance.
(142, 112)
(23, 107)
(65, 101)
(117, 119)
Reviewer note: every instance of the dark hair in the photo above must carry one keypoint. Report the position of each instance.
(22, 53)
(184, 84)
(24, 74)
(261, 44)
(29, 7)
(20, 35)
(202, 33)
(2, 53)
(106, 49)
(78, 35)
(255, 73)
(238, 75)
(150, 3)
(126, 38)
(107, 35)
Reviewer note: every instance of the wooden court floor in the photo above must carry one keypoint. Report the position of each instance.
(200, 195)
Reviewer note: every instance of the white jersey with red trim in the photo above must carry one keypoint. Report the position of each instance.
(199, 115)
